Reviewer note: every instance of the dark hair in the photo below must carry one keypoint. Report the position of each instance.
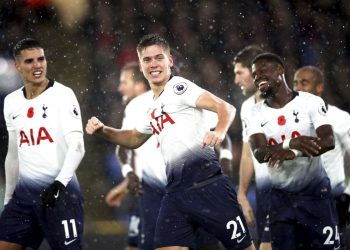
(246, 55)
(270, 57)
(152, 39)
(26, 43)
(137, 75)
(317, 73)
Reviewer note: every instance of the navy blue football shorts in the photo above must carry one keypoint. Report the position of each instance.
(27, 225)
(262, 208)
(134, 226)
(150, 204)
(304, 220)
(212, 205)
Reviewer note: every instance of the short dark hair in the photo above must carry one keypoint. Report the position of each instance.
(152, 39)
(317, 73)
(270, 57)
(137, 75)
(246, 55)
(26, 43)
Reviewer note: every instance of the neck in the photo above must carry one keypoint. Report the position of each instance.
(281, 98)
(34, 90)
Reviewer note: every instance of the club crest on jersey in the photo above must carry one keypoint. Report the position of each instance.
(44, 109)
(180, 88)
(322, 109)
(75, 111)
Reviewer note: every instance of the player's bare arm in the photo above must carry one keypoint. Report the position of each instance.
(246, 171)
(127, 138)
(226, 114)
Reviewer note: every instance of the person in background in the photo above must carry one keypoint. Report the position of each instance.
(249, 166)
(132, 84)
(290, 130)
(45, 147)
(310, 79)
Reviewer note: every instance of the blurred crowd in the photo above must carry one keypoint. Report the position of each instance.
(88, 41)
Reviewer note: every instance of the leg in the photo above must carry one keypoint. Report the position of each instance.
(9, 246)
(265, 246)
(173, 248)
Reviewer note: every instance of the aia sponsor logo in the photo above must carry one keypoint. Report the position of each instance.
(158, 121)
(31, 138)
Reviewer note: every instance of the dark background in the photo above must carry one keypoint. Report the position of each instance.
(87, 42)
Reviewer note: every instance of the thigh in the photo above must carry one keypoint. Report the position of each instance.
(150, 204)
(63, 225)
(173, 228)
(283, 235)
(215, 208)
(19, 225)
(317, 219)
(262, 215)
(134, 226)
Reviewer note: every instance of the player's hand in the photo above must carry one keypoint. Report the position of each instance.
(308, 145)
(212, 139)
(116, 195)
(93, 125)
(276, 158)
(134, 184)
(247, 210)
(51, 194)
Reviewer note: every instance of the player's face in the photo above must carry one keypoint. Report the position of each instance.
(32, 66)
(127, 85)
(304, 80)
(155, 63)
(267, 77)
(244, 79)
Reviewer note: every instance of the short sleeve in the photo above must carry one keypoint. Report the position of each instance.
(317, 111)
(70, 114)
(188, 91)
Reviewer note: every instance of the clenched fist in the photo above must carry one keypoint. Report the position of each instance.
(93, 125)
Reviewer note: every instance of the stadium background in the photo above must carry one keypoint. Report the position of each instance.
(88, 41)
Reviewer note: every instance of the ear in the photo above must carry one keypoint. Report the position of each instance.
(280, 70)
(171, 60)
(320, 88)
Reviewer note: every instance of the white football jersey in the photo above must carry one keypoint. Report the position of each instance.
(149, 163)
(262, 178)
(40, 125)
(301, 116)
(333, 160)
(180, 128)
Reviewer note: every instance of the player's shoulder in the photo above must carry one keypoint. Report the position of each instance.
(59, 87)
(305, 96)
(338, 115)
(179, 85)
(18, 93)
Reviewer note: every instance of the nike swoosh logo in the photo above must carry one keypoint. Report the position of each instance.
(240, 240)
(69, 242)
(56, 195)
(263, 124)
(14, 116)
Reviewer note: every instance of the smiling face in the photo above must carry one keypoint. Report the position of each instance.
(156, 63)
(267, 77)
(244, 79)
(32, 66)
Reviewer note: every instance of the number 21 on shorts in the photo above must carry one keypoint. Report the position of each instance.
(232, 224)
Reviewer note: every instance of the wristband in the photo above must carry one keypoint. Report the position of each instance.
(285, 144)
(297, 152)
(225, 154)
(126, 168)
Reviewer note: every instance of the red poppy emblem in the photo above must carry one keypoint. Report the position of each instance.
(281, 120)
(30, 112)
